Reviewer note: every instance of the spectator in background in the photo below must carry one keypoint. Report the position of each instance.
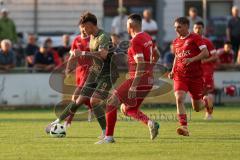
(193, 17)
(119, 24)
(57, 60)
(65, 48)
(30, 50)
(7, 27)
(169, 58)
(44, 60)
(7, 56)
(233, 30)
(149, 25)
(225, 56)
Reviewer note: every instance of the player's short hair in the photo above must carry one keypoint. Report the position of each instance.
(182, 20)
(88, 17)
(199, 23)
(227, 43)
(136, 18)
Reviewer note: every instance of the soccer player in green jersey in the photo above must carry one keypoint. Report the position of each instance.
(102, 73)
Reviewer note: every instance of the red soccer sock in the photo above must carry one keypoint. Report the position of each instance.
(182, 119)
(138, 115)
(111, 118)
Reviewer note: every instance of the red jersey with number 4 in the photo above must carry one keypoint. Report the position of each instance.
(188, 47)
(83, 62)
(140, 46)
(208, 68)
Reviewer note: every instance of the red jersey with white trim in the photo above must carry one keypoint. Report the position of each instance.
(140, 46)
(208, 68)
(188, 47)
(83, 62)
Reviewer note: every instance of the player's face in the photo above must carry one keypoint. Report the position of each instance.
(227, 47)
(181, 29)
(82, 31)
(88, 28)
(198, 29)
(129, 29)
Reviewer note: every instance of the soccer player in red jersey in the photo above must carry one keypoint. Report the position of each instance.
(131, 93)
(189, 50)
(208, 66)
(81, 42)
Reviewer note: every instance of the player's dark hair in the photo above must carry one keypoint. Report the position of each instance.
(88, 17)
(228, 42)
(199, 23)
(182, 20)
(136, 18)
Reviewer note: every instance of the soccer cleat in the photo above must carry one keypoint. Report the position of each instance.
(102, 136)
(183, 131)
(105, 141)
(208, 116)
(153, 129)
(48, 128)
(123, 109)
(208, 104)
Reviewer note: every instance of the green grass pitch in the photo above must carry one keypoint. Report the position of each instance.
(22, 137)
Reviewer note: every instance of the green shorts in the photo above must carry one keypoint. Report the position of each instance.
(100, 88)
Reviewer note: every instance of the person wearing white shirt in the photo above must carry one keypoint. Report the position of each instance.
(149, 25)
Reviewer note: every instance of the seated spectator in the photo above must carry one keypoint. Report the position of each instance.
(65, 48)
(225, 57)
(7, 56)
(44, 60)
(57, 60)
(169, 58)
(30, 50)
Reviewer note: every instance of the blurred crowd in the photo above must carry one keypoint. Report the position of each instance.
(45, 57)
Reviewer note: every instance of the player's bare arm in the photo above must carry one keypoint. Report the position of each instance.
(171, 74)
(204, 54)
(213, 58)
(102, 53)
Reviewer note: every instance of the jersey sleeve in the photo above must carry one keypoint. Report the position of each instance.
(104, 42)
(210, 47)
(137, 49)
(198, 40)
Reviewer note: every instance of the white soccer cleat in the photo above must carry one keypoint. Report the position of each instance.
(106, 141)
(48, 128)
(208, 116)
(153, 129)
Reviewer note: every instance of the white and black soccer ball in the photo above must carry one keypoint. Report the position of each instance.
(58, 130)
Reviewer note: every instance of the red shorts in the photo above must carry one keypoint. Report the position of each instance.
(81, 76)
(193, 86)
(143, 88)
(208, 84)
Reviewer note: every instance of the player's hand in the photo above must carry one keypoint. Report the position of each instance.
(170, 75)
(132, 92)
(187, 61)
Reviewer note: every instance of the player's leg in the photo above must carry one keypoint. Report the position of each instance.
(111, 118)
(209, 92)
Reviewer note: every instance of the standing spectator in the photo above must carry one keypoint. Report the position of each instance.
(119, 24)
(225, 56)
(233, 30)
(7, 56)
(65, 48)
(30, 50)
(193, 17)
(169, 58)
(149, 25)
(43, 60)
(7, 27)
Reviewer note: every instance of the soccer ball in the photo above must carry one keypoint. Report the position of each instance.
(58, 130)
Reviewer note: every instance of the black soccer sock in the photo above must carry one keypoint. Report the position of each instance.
(100, 115)
(70, 109)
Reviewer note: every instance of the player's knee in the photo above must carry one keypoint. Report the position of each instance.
(94, 102)
(180, 96)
